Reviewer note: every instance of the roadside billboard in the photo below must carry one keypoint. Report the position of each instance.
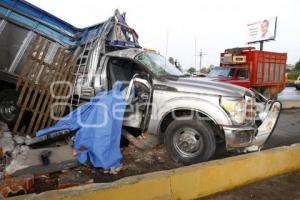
(262, 30)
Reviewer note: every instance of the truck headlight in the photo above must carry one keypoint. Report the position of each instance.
(236, 108)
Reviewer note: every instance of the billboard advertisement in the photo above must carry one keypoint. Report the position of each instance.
(262, 30)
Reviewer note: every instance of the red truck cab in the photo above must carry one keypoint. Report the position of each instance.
(231, 74)
(251, 68)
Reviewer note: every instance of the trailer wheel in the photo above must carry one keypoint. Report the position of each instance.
(189, 141)
(8, 107)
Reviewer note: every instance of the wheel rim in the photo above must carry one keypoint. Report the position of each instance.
(188, 142)
(8, 110)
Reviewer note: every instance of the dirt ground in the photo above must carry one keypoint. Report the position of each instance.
(285, 187)
(134, 162)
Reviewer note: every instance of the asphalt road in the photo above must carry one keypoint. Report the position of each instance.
(287, 131)
(290, 98)
(284, 187)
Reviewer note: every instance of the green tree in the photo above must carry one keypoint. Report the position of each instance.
(294, 73)
(204, 70)
(191, 70)
(297, 66)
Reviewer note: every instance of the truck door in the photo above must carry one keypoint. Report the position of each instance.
(127, 71)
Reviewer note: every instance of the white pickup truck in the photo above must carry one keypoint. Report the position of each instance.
(187, 113)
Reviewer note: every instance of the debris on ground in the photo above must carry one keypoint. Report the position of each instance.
(3, 127)
(16, 186)
(7, 142)
(134, 162)
(45, 157)
(19, 159)
(34, 165)
(73, 178)
(38, 158)
(144, 141)
(19, 163)
(12, 149)
(20, 140)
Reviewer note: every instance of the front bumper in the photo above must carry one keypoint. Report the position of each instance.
(253, 138)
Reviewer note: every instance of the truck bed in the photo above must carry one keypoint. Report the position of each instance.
(268, 68)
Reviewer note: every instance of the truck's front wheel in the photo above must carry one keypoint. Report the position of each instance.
(8, 107)
(190, 141)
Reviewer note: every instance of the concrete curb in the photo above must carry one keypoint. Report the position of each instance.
(189, 182)
(290, 104)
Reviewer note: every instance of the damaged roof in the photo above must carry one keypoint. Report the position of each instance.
(126, 53)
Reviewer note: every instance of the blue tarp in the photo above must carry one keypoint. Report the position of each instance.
(97, 125)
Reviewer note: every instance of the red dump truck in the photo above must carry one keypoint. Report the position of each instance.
(251, 68)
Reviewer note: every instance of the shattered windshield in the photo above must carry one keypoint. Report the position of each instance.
(158, 65)
(221, 71)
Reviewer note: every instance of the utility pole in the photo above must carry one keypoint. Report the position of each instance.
(201, 54)
(195, 54)
(167, 45)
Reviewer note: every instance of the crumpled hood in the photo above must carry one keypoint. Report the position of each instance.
(215, 78)
(205, 86)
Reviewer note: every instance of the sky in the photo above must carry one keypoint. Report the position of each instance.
(176, 27)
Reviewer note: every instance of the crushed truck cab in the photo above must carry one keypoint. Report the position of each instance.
(188, 114)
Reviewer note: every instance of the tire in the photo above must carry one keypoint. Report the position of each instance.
(189, 141)
(8, 107)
